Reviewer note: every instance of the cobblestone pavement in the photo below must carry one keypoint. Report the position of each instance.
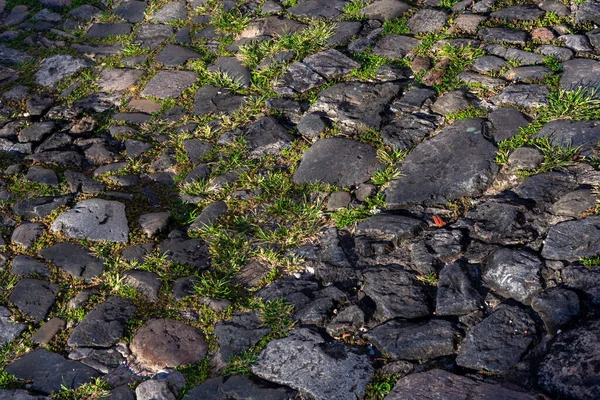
(300, 199)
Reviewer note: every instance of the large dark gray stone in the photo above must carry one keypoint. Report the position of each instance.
(396, 293)
(437, 384)
(356, 105)
(498, 342)
(58, 67)
(415, 340)
(572, 240)
(94, 219)
(337, 161)
(193, 252)
(74, 259)
(513, 274)
(34, 297)
(325, 371)
(570, 368)
(50, 372)
(104, 325)
(573, 134)
(456, 294)
(457, 162)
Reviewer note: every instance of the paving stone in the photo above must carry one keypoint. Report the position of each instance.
(574, 351)
(318, 8)
(166, 343)
(104, 325)
(513, 274)
(34, 297)
(383, 10)
(527, 74)
(406, 132)
(574, 204)
(131, 11)
(427, 20)
(498, 342)
(104, 30)
(298, 78)
(209, 215)
(500, 222)
(146, 282)
(50, 372)
(193, 252)
(561, 53)
(9, 330)
(394, 46)
(267, 136)
(423, 181)
(74, 259)
(118, 79)
(78, 182)
(560, 242)
(48, 331)
(438, 384)
(523, 95)
(331, 64)
(396, 293)
(94, 219)
(152, 35)
(20, 394)
(556, 307)
(507, 123)
(243, 331)
(580, 72)
(577, 43)
(415, 341)
(40, 207)
(170, 12)
(167, 84)
(518, 13)
(232, 67)
(505, 35)
(25, 265)
(483, 80)
(58, 67)
(456, 293)
(356, 105)
(239, 387)
(215, 100)
(42, 175)
(576, 134)
(26, 234)
(322, 370)
(339, 162)
(173, 55)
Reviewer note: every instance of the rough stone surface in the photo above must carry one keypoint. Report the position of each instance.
(49, 372)
(415, 341)
(339, 162)
(58, 67)
(513, 274)
(94, 219)
(396, 293)
(439, 384)
(569, 368)
(104, 325)
(166, 343)
(572, 240)
(74, 259)
(34, 297)
(498, 342)
(323, 370)
(468, 169)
